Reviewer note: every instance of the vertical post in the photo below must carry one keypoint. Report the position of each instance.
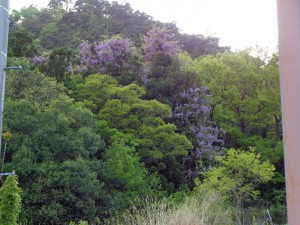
(289, 56)
(4, 26)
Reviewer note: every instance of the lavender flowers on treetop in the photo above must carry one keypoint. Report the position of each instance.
(159, 41)
(106, 57)
(159, 47)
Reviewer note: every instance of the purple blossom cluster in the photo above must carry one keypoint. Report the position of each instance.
(106, 57)
(86, 55)
(159, 41)
(192, 114)
(39, 60)
(69, 68)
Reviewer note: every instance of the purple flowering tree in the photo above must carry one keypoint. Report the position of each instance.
(111, 57)
(159, 51)
(159, 41)
(192, 117)
(38, 60)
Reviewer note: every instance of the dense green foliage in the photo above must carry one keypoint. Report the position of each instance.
(112, 107)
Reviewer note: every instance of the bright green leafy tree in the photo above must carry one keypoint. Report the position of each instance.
(238, 176)
(10, 201)
(126, 177)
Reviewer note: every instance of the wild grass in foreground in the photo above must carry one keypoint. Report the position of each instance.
(201, 209)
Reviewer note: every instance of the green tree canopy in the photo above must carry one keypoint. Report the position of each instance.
(122, 111)
(243, 87)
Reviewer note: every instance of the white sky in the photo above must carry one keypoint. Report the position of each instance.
(238, 23)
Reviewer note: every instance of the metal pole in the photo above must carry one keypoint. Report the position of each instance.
(289, 56)
(4, 25)
(8, 174)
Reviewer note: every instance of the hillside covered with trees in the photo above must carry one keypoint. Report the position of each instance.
(113, 109)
